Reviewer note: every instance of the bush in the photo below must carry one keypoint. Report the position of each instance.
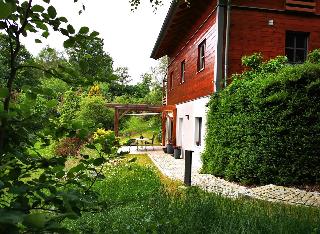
(94, 113)
(107, 139)
(69, 147)
(266, 129)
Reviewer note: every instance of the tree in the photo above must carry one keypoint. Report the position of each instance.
(123, 76)
(89, 57)
(18, 19)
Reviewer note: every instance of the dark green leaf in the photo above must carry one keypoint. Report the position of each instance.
(70, 29)
(3, 25)
(52, 12)
(37, 8)
(84, 30)
(64, 32)
(38, 41)
(45, 34)
(98, 161)
(5, 9)
(69, 42)
(47, 1)
(94, 34)
(63, 19)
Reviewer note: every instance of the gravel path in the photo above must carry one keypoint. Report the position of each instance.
(174, 168)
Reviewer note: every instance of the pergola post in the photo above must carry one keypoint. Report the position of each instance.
(164, 120)
(174, 126)
(116, 122)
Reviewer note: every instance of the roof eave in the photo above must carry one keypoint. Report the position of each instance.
(164, 28)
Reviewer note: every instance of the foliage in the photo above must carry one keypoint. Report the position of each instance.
(253, 61)
(93, 113)
(138, 202)
(107, 139)
(69, 147)
(68, 107)
(314, 56)
(88, 57)
(38, 192)
(94, 90)
(264, 128)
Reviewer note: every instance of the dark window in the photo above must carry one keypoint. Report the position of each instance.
(296, 46)
(171, 81)
(201, 55)
(183, 71)
(198, 130)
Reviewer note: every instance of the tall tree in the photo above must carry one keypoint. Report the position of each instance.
(89, 57)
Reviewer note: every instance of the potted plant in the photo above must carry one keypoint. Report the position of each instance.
(177, 152)
(169, 147)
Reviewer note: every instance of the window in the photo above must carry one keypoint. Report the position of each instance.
(296, 46)
(201, 55)
(171, 81)
(198, 129)
(183, 70)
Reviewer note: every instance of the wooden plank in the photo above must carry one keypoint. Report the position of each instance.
(301, 9)
(301, 3)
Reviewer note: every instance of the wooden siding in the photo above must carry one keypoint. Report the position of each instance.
(251, 33)
(197, 84)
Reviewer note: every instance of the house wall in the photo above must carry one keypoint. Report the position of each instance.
(197, 84)
(251, 33)
(186, 133)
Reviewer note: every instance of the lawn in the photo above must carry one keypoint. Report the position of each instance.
(140, 200)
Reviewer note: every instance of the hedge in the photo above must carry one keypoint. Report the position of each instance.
(264, 127)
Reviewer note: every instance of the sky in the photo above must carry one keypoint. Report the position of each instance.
(128, 36)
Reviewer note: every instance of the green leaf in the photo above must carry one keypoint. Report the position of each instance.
(63, 19)
(69, 42)
(47, 1)
(36, 220)
(98, 161)
(52, 103)
(94, 34)
(84, 30)
(38, 41)
(64, 32)
(37, 8)
(6, 9)
(45, 34)
(3, 25)
(52, 12)
(70, 29)
(4, 92)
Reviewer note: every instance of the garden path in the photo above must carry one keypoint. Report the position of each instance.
(174, 168)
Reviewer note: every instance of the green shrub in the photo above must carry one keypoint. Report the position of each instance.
(69, 106)
(94, 113)
(266, 129)
(314, 56)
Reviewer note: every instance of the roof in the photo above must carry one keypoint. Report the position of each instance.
(179, 20)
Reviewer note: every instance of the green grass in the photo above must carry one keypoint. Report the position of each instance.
(139, 201)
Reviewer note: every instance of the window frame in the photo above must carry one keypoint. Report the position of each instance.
(182, 71)
(294, 35)
(202, 57)
(171, 81)
(198, 131)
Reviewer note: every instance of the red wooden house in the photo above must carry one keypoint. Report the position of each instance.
(205, 40)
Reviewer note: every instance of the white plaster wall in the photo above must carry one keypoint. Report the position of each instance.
(186, 139)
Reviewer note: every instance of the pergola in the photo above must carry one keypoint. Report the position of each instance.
(121, 110)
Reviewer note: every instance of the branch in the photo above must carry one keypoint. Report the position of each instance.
(25, 21)
(38, 68)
